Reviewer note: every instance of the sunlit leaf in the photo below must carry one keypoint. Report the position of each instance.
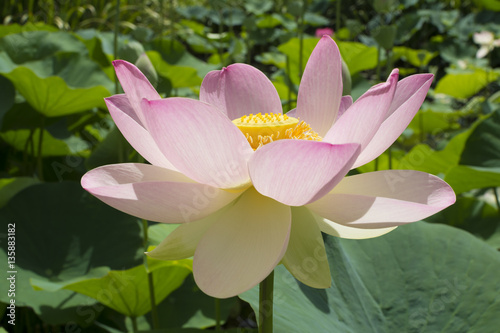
(465, 85)
(52, 96)
(464, 178)
(127, 291)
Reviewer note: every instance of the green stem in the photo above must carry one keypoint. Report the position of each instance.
(160, 21)
(301, 37)
(172, 23)
(389, 61)
(39, 153)
(288, 83)
(217, 315)
(151, 286)
(337, 16)
(30, 11)
(266, 289)
(379, 53)
(115, 42)
(134, 324)
(219, 48)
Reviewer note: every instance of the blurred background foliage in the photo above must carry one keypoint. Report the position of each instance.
(77, 257)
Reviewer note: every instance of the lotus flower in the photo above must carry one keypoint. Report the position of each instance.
(252, 188)
(487, 42)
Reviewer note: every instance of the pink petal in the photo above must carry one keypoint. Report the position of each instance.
(243, 247)
(199, 141)
(239, 90)
(127, 122)
(360, 123)
(409, 96)
(384, 199)
(182, 242)
(135, 85)
(296, 172)
(320, 89)
(345, 103)
(154, 193)
(306, 256)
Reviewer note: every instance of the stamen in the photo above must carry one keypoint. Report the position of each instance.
(261, 129)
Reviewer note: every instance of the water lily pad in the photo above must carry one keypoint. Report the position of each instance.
(419, 278)
(26, 140)
(52, 97)
(180, 76)
(127, 291)
(7, 95)
(36, 45)
(465, 85)
(474, 215)
(9, 187)
(482, 148)
(464, 178)
(63, 234)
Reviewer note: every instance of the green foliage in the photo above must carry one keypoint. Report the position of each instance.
(465, 85)
(62, 235)
(52, 97)
(410, 280)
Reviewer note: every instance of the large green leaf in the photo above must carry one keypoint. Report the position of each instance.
(174, 53)
(465, 85)
(9, 187)
(292, 50)
(7, 96)
(357, 56)
(474, 215)
(52, 97)
(417, 58)
(424, 158)
(433, 122)
(64, 234)
(36, 45)
(418, 278)
(464, 178)
(27, 141)
(127, 291)
(16, 28)
(179, 76)
(482, 148)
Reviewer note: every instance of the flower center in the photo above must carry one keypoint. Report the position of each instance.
(262, 129)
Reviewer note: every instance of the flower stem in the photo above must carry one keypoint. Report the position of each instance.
(337, 16)
(134, 324)
(151, 286)
(39, 153)
(115, 41)
(266, 289)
